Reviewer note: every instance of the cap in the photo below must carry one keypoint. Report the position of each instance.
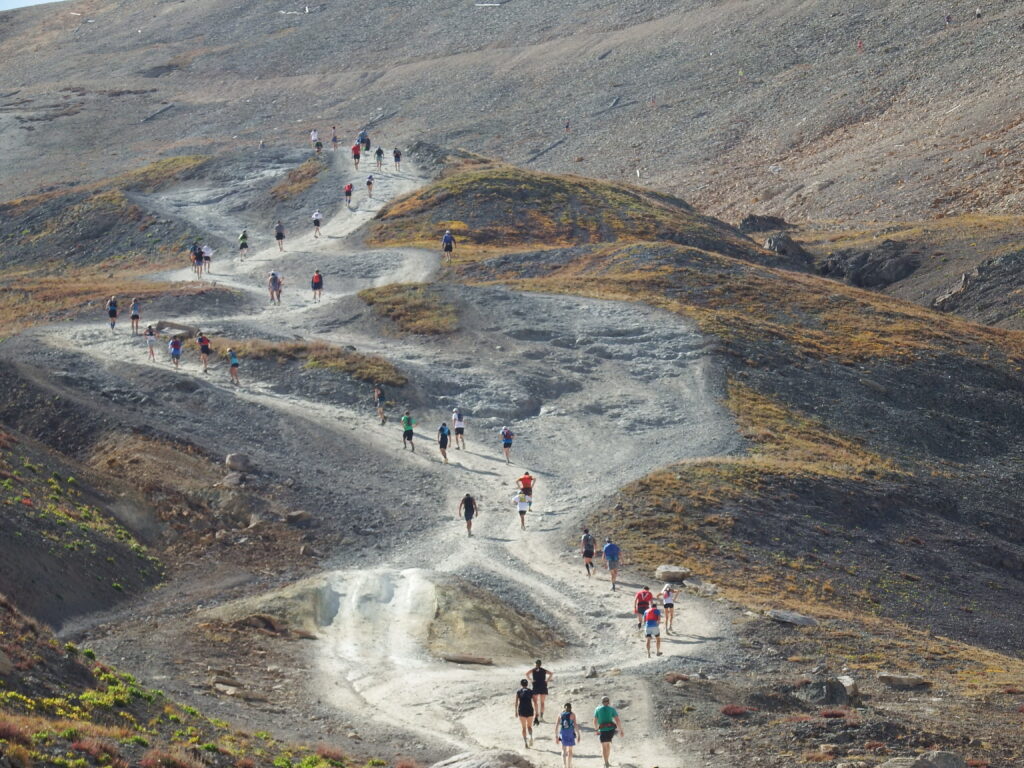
(609, 539)
(666, 588)
(447, 231)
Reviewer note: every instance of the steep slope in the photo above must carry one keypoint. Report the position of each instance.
(859, 112)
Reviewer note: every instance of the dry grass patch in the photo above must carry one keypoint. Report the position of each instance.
(413, 307)
(298, 180)
(318, 354)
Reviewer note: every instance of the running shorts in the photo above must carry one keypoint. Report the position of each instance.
(652, 631)
(607, 735)
(460, 430)
(588, 553)
(407, 434)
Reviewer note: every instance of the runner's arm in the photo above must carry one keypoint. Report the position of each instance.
(618, 724)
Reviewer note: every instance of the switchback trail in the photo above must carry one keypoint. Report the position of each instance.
(599, 394)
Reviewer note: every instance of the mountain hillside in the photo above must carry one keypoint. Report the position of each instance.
(813, 110)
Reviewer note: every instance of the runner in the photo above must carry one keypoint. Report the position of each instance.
(135, 311)
(443, 435)
(540, 678)
(204, 350)
(243, 243)
(334, 138)
(408, 422)
(379, 154)
(606, 723)
(314, 137)
(652, 619)
(348, 195)
(396, 153)
(567, 733)
(196, 258)
(468, 509)
(668, 600)
(366, 142)
(174, 347)
(207, 258)
(279, 236)
(274, 283)
(522, 502)
(378, 402)
(447, 245)
(524, 711)
(525, 484)
(587, 542)
(361, 137)
(150, 335)
(317, 284)
(316, 222)
(506, 443)
(369, 186)
(112, 311)
(611, 552)
(459, 422)
(357, 150)
(233, 360)
(641, 602)
(319, 147)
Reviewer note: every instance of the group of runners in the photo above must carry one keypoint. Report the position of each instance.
(200, 258)
(529, 710)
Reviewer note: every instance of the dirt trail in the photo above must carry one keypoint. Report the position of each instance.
(599, 394)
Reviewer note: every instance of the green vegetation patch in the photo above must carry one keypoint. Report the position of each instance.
(319, 354)
(299, 179)
(413, 307)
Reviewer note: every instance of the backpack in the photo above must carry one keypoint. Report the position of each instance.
(588, 541)
(506, 434)
(565, 721)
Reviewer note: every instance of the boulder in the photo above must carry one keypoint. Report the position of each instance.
(883, 265)
(6, 666)
(491, 758)
(791, 617)
(672, 573)
(238, 462)
(298, 517)
(754, 223)
(824, 693)
(852, 689)
(233, 479)
(785, 245)
(903, 682)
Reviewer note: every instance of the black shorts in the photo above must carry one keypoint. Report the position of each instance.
(207, 259)
(234, 365)
(588, 553)
(540, 689)
(442, 443)
(460, 430)
(243, 246)
(135, 317)
(447, 247)
(279, 236)
(348, 193)
(204, 350)
(316, 222)
(112, 313)
(407, 434)
(608, 735)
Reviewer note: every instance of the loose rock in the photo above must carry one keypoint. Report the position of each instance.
(672, 573)
(238, 462)
(903, 682)
(792, 617)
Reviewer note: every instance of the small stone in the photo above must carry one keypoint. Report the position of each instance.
(672, 573)
(852, 689)
(233, 479)
(792, 617)
(903, 682)
(227, 690)
(298, 517)
(591, 672)
(308, 551)
(238, 462)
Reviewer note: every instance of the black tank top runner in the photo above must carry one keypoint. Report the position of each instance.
(540, 676)
(525, 700)
(469, 504)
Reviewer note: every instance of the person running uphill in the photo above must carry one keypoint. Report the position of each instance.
(233, 369)
(652, 628)
(587, 543)
(317, 218)
(525, 484)
(459, 422)
(468, 510)
(611, 553)
(150, 335)
(522, 502)
(112, 311)
(135, 313)
(524, 711)
(243, 244)
(174, 348)
(397, 155)
(274, 284)
(447, 245)
(607, 724)
(641, 602)
(378, 402)
(567, 733)
(348, 195)
(443, 436)
(408, 422)
(668, 600)
(379, 154)
(369, 186)
(540, 678)
(279, 236)
(204, 350)
(357, 151)
(506, 443)
(317, 284)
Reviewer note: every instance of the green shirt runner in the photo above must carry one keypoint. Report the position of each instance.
(605, 717)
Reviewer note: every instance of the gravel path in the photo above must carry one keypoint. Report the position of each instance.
(599, 393)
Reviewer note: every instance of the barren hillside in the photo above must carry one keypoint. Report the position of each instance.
(814, 110)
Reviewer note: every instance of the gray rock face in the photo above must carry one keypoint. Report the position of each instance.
(903, 682)
(238, 462)
(754, 223)
(672, 573)
(829, 693)
(492, 758)
(792, 617)
(884, 265)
